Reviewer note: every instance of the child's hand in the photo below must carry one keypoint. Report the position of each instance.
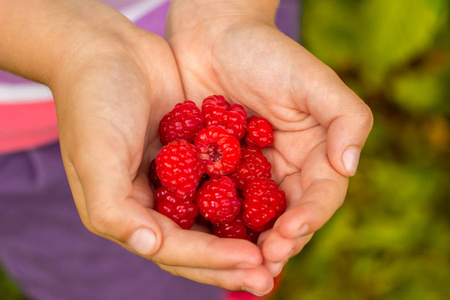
(112, 84)
(234, 49)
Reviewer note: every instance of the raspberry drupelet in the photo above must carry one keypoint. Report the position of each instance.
(231, 117)
(182, 122)
(217, 200)
(179, 168)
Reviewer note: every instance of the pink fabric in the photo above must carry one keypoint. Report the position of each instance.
(27, 125)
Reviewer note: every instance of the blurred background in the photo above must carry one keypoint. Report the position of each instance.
(391, 238)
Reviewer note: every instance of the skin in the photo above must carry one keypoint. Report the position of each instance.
(230, 49)
(112, 82)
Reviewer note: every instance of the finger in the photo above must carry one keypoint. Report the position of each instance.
(336, 107)
(323, 193)
(257, 280)
(197, 249)
(277, 250)
(109, 200)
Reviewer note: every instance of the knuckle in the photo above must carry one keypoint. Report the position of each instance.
(101, 218)
(366, 116)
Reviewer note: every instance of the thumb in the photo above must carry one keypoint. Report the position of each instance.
(347, 118)
(112, 203)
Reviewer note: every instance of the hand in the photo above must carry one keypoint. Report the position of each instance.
(111, 90)
(233, 48)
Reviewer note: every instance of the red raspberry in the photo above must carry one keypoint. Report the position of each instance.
(183, 122)
(217, 200)
(252, 236)
(266, 226)
(218, 149)
(217, 111)
(153, 176)
(247, 151)
(263, 201)
(260, 132)
(235, 229)
(252, 166)
(179, 168)
(180, 209)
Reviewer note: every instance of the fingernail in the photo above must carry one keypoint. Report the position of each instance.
(256, 293)
(275, 268)
(350, 158)
(142, 241)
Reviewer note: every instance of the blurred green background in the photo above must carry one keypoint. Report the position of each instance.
(391, 238)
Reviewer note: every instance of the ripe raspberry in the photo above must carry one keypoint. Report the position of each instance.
(252, 166)
(235, 229)
(218, 149)
(180, 209)
(183, 122)
(266, 226)
(179, 168)
(217, 111)
(217, 200)
(247, 151)
(263, 201)
(260, 132)
(153, 176)
(252, 236)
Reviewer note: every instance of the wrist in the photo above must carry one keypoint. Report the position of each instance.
(45, 36)
(201, 11)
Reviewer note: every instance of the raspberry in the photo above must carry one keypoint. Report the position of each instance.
(247, 151)
(180, 209)
(217, 200)
(260, 132)
(235, 229)
(263, 201)
(218, 149)
(153, 176)
(179, 168)
(252, 236)
(217, 111)
(183, 122)
(266, 226)
(253, 165)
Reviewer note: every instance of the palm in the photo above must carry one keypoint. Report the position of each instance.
(258, 67)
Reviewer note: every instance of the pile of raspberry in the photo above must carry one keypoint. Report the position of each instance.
(211, 170)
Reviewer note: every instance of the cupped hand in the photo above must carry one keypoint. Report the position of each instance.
(111, 90)
(320, 124)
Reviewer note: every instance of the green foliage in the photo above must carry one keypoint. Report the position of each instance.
(8, 290)
(390, 240)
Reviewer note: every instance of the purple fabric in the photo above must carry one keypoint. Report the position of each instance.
(156, 21)
(288, 17)
(47, 250)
